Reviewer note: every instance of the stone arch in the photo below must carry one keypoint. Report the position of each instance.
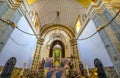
(53, 44)
(47, 28)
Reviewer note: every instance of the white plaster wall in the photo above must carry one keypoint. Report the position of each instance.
(22, 47)
(93, 47)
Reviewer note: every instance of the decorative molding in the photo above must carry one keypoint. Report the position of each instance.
(25, 10)
(94, 8)
(46, 28)
(97, 8)
(40, 41)
(14, 4)
(115, 4)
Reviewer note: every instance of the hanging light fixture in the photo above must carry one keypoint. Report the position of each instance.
(57, 33)
(57, 19)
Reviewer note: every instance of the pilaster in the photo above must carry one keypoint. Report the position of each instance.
(106, 35)
(36, 58)
(96, 13)
(7, 13)
(75, 53)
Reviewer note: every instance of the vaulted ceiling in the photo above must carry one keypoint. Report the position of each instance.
(69, 10)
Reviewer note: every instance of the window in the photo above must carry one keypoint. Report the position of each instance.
(78, 25)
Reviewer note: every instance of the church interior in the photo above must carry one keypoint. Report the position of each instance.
(59, 38)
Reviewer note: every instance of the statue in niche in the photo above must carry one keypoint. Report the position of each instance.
(57, 54)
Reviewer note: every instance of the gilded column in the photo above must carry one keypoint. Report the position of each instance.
(75, 53)
(36, 58)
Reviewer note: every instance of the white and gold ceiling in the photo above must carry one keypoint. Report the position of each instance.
(69, 10)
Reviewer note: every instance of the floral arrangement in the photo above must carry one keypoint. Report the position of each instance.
(33, 73)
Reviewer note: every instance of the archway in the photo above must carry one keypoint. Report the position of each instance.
(62, 46)
(47, 28)
(100, 69)
(8, 68)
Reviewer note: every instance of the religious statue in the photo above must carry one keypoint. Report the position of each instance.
(42, 64)
(57, 56)
(81, 68)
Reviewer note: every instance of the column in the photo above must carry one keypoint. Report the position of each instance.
(75, 53)
(106, 35)
(7, 13)
(36, 58)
